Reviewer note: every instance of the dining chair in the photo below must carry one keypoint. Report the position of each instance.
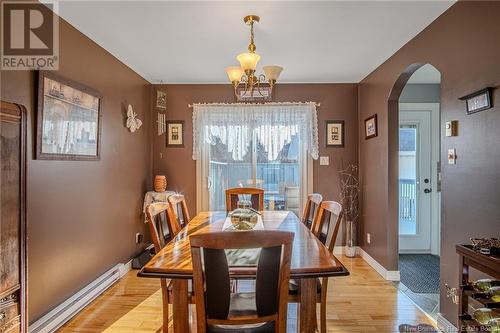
(220, 311)
(325, 227)
(178, 214)
(156, 216)
(311, 208)
(256, 197)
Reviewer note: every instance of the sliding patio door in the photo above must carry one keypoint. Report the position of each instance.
(272, 155)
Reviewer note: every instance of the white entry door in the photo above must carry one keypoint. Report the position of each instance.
(416, 182)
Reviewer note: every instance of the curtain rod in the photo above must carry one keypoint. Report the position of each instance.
(269, 103)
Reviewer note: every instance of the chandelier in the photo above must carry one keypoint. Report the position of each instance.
(244, 79)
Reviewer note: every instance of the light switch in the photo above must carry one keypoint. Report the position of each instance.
(452, 156)
(452, 128)
(324, 160)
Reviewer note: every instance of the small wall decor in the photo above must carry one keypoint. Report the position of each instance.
(371, 129)
(68, 119)
(175, 133)
(334, 133)
(162, 123)
(133, 123)
(478, 101)
(161, 100)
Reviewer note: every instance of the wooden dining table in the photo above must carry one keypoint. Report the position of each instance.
(310, 260)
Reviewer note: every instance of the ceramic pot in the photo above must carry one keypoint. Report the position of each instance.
(160, 183)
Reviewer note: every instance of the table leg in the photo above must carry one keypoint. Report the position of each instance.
(180, 306)
(307, 315)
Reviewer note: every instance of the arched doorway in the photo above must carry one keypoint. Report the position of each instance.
(414, 168)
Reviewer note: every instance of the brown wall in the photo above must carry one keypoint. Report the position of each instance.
(338, 102)
(471, 188)
(83, 216)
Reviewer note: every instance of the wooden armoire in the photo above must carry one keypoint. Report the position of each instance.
(13, 306)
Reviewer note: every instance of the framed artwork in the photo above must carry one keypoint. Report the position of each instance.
(68, 120)
(335, 133)
(478, 101)
(371, 129)
(161, 100)
(175, 133)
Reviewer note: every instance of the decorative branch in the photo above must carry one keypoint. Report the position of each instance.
(349, 192)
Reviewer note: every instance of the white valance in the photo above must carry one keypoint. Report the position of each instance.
(274, 124)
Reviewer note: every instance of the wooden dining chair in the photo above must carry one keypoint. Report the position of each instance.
(311, 208)
(256, 197)
(220, 311)
(178, 214)
(325, 227)
(156, 216)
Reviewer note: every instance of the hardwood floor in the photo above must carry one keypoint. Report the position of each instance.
(361, 302)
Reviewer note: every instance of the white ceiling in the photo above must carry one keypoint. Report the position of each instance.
(193, 42)
(426, 74)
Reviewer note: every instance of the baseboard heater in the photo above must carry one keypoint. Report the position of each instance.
(68, 309)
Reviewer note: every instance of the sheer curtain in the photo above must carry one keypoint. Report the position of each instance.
(258, 135)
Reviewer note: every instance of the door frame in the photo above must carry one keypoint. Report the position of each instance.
(435, 232)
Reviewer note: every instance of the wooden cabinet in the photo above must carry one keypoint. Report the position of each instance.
(468, 298)
(12, 219)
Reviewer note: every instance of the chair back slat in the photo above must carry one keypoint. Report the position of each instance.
(211, 275)
(327, 223)
(159, 230)
(311, 208)
(256, 197)
(178, 213)
(218, 287)
(267, 284)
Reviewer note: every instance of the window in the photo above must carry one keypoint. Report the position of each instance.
(263, 146)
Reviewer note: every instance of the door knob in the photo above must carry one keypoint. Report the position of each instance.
(428, 190)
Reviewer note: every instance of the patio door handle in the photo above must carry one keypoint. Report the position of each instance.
(428, 190)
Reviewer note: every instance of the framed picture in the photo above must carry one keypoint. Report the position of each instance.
(161, 99)
(335, 133)
(68, 120)
(175, 133)
(478, 101)
(371, 129)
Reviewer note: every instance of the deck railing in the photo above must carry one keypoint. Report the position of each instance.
(407, 199)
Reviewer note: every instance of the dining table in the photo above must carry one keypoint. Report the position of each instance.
(310, 260)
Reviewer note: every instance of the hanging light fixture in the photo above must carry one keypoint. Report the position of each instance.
(243, 77)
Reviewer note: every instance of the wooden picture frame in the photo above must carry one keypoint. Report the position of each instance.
(161, 100)
(69, 118)
(175, 134)
(334, 133)
(371, 127)
(478, 101)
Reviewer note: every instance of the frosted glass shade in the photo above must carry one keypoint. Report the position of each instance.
(234, 73)
(248, 60)
(272, 72)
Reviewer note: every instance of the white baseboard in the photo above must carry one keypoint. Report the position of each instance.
(444, 325)
(387, 275)
(68, 309)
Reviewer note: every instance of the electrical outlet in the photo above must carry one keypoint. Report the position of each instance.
(368, 238)
(138, 238)
(324, 160)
